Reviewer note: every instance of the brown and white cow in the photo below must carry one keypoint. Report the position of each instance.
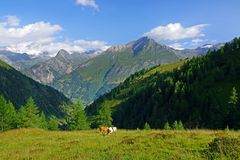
(103, 129)
(107, 130)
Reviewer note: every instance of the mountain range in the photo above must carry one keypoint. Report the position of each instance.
(100, 74)
(199, 51)
(55, 67)
(89, 75)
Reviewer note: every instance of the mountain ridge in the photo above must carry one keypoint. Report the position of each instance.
(105, 71)
(17, 88)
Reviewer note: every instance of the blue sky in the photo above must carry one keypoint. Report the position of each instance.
(84, 24)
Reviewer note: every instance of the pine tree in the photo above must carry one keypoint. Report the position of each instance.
(43, 121)
(76, 118)
(167, 126)
(226, 129)
(146, 126)
(180, 125)
(233, 98)
(53, 123)
(104, 117)
(7, 115)
(28, 115)
(175, 125)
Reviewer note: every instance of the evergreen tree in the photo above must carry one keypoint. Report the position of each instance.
(7, 115)
(167, 126)
(180, 125)
(175, 125)
(226, 129)
(104, 117)
(76, 118)
(28, 115)
(53, 123)
(233, 98)
(146, 126)
(43, 121)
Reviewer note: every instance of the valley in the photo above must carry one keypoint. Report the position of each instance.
(119, 80)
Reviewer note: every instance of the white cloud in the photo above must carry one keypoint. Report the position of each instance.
(175, 31)
(12, 21)
(197, 41)
(89, 3)
(39, 31)
(177, 46)
(52, 48)
(40, 37)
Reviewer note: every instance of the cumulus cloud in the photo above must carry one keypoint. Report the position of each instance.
(36, 48)
(197, 41)
(177, 46)
(175, 31)
(40, 37)
(89, 3)
(10, 21)
(39, 31)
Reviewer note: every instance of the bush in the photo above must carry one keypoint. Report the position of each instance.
(224, 148)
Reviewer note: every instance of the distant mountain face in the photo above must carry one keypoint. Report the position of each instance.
(55, 67)
(17, 88)
(199, 51)
(12, 58)
(105, 71)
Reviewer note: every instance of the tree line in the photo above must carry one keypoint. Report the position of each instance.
(29, 116)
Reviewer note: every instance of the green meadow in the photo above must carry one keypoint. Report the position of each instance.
(134, 144)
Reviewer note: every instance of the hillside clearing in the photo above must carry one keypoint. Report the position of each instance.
(136, 144)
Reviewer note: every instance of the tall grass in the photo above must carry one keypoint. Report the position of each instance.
(135, 144)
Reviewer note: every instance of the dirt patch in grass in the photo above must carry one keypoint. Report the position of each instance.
(37, 150)
(74, 142)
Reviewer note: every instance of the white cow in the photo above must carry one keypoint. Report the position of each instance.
(112, 129)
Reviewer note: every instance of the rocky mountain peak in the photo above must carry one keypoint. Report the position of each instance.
(62, 53)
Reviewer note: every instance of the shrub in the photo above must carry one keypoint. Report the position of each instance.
(224, 148)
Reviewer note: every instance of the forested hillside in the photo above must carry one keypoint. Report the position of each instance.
(17, 88)
(202, 93)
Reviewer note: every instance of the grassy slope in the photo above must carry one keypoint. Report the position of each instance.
(156, 144)
(136, 83)
(5, 65)
(164, 68)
